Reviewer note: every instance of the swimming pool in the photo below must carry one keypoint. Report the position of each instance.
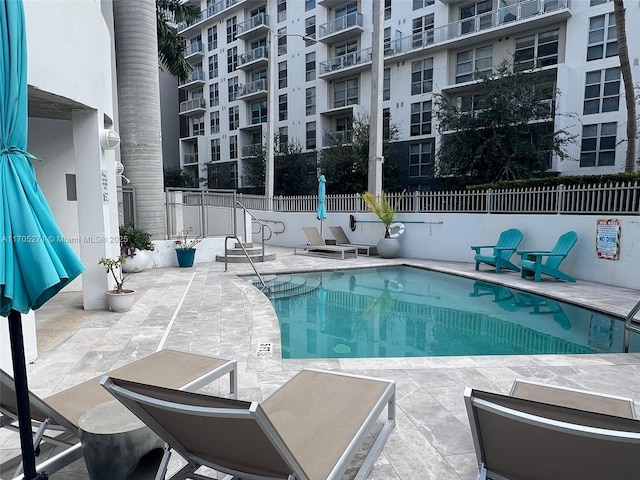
(410, 312)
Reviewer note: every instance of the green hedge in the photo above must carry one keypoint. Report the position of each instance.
(556, 180)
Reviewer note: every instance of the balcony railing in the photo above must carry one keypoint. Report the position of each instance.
(259, 20)
(194, 104)
(496, 18)
(253, 55)
(253, 150)
(335, 139)
(252, 87)
(346, 61)
(190, 158)
(195, 76)
(354, 19)
(194, 48)
(214, 9)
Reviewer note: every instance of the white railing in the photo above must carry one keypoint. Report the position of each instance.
(253, 55)
(346, 61)
(194, 48)
(190, 158)
(214, 9)
(194, 104)
(520, 11)
(261, 19)
(252, 87)
(332, 139)
(195, 76)
(339, 24)
(252, 150)
(610, 198)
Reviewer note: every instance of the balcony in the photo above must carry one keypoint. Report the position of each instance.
(258, 57)
(252, 151)
(253, 90)
(337, 139)
(195, 106)
(223, 6)
(196, 79)
(254, 27)
(503, 21)
(342, 28)
(194, 51)
(190, 159)
(345, 64)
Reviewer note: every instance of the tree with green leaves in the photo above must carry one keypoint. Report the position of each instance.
(175, 177)
(345, 166)
(504, 130)
(170, 47)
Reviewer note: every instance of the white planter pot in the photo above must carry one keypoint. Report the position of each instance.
(138, 262)
(121, 302)
(388, 247)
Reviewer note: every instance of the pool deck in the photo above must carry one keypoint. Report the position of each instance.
(206, 310)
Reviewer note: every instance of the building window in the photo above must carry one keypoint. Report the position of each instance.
(283, 139)
(310, 101)
(422, 31)
(418, 4)
(310, 30)
(422, 76)
(468, 104)
(282, 10)
(214, 95)
(346, 11)
(232, 85)
(282, 74)
(259, 112)
(198, 125)
(232, 59)
(233, 174)
(309, 5)
(214, 121)
(536, 51)
(346, 48)
(283, 106)
(234, 118)
(310, 66)
(602, 91)
(468, 13)
(213, 66)
(345, 93)
(386, 40)
(420, 118)
(603, 40)
(478, 61)
(598, 145)
(212, 37)
(232, 29)
(282, 41)
(386, 84)
(598, 2)
(386, 124)
(215, 149)
(311, 135)
(233, 146)
(421, 159)
(387, 9)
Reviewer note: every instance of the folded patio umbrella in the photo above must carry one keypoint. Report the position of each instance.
(321, 213)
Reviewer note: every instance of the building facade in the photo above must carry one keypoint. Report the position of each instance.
(430, 47)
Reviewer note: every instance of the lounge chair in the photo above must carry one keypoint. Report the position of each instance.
(317, 246)
(506, 246)
(56, 417)
(310, 429)
(532, 260)
(524, 439)
(342, 239)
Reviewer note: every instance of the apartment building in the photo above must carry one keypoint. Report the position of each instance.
(429, 46)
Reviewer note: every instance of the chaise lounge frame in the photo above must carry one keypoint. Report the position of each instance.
(317, 246)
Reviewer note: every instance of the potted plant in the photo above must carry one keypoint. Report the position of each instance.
(119, 299)
(186, 247)
(389, 246)
(135, 245)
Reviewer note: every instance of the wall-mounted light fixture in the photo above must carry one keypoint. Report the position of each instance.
(109, 139)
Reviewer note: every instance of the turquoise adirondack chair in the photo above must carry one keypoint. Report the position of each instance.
(505, 247)
(532, 260)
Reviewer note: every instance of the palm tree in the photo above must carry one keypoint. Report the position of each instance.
(170, 47)
(625, 68)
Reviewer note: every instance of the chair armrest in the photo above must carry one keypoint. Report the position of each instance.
(542, 254)
(504, 248)
(478, 247)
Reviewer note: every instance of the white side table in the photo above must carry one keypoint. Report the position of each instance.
(114, 440)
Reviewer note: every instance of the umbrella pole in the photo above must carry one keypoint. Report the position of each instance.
(22, 396)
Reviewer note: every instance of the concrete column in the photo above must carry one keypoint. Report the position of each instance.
(374, 183)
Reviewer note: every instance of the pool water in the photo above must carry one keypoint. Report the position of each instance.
(409, 312)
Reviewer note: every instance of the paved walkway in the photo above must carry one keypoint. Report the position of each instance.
(204, 309)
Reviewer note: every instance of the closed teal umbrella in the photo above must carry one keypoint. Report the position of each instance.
(35, 261)
(321, 213)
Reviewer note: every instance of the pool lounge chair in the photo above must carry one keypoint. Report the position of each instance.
(532, 260)
(506, 246)
(317, 246)
(551, 433)
(55, 418)
(309, 429)
(342, 239)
